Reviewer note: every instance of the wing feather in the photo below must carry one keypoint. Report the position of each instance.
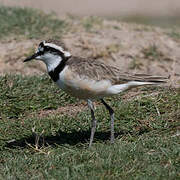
(96, 70)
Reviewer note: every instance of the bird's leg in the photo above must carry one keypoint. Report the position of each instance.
(93, 123)
(111, 112)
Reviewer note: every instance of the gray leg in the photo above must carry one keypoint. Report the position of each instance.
(93, 126)
(111, 112)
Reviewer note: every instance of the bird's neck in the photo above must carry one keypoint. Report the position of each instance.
(51, 64)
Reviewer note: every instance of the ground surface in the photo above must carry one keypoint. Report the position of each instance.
(44, 133)
(101, 7)
(131, 47)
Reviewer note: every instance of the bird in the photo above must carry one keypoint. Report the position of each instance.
(88, 78)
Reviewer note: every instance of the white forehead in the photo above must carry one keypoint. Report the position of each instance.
(66, 53)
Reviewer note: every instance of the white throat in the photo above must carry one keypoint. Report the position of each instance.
(52, 62)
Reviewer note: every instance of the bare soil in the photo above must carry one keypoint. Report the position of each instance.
(131, 47)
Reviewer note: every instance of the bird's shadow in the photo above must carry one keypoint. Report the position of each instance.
(71, 138)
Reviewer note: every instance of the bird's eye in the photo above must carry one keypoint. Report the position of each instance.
(41, 44)
(47, 48)
(40, 49)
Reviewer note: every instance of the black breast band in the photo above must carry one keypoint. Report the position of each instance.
(55, 73)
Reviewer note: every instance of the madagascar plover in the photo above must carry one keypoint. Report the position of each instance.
(88, 79)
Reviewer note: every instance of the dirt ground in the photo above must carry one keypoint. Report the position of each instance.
(131, 47)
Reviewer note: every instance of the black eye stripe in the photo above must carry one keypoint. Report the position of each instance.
(50, 49)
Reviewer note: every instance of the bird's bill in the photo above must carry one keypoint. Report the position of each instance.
(31, 57)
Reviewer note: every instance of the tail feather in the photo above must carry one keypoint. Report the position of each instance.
(136, 80)
(150, 79)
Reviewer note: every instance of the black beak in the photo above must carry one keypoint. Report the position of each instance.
(31, 57)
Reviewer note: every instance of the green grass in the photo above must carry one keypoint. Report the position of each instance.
(39, 94)
(147, 145)
(90, 22)
(147, 128)
(29, 23)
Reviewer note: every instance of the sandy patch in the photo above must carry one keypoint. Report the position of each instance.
(127, 46)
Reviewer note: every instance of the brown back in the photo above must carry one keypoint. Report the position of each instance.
(96, 70)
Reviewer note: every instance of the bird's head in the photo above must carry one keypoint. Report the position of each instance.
(51, 52)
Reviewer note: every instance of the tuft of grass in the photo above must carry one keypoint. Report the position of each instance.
(29, 23)
(175, 34)
(90, 22)
(106, 51)
(135, 63)
(56, 147)
(152, 53)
